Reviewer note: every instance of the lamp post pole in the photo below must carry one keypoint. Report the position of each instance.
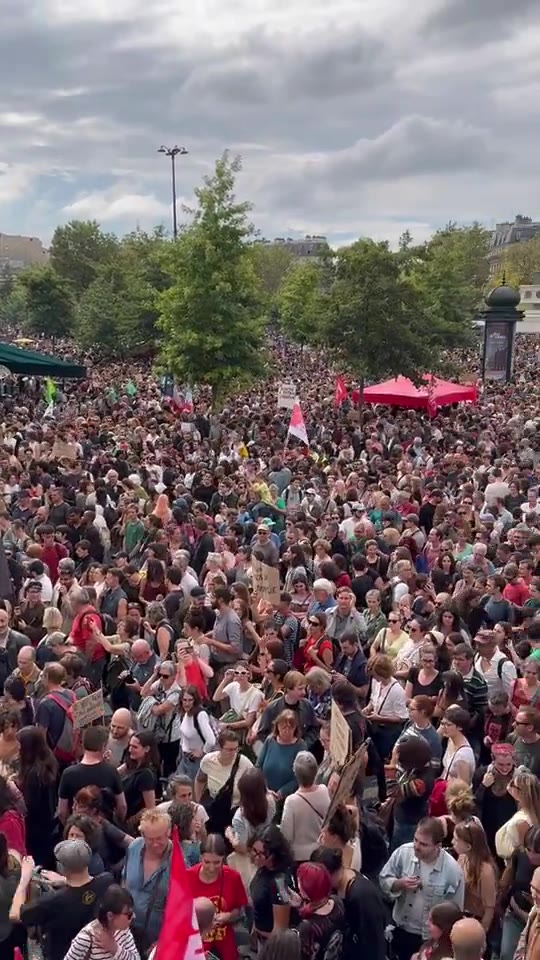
(173, 153)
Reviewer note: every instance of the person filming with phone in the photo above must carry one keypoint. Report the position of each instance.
(416, 877)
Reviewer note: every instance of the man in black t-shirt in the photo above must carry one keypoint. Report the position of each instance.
(61, 914)
(92, 771)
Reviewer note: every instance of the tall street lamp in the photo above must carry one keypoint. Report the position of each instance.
(173, 153)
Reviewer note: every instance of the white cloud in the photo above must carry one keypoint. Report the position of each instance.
(108, 207)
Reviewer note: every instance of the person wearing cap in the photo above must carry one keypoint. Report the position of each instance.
(263, 546)
(28, 617)
(61, 914)
(358, 512)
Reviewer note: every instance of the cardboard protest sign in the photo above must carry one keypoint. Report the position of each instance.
(265, 581)
(340, 736)
(286, 395)
(64, 451)
(347, 780)
(88, 709)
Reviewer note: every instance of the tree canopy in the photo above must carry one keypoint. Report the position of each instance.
(210, 315)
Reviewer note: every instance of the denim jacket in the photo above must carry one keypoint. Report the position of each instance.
(445, 882)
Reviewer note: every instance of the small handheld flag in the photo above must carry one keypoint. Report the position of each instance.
(297, 427)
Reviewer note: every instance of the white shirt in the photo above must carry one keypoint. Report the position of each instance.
(217, 775)
(243, 703)
(46, 587)
(499, 679)
(389, 700)
(190, 740)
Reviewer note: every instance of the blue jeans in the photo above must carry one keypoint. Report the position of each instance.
(512, 929)
(188, 766)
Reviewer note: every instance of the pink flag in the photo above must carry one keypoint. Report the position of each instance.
(297, 427)
(180, 938)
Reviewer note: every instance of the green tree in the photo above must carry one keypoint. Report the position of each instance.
(451, 272)
(272, 264)
(117, 313)
(13, 308)
(78, 250)
(49, 302)
(519, 263)
(299, 302)
(372, 317)
(210, 316)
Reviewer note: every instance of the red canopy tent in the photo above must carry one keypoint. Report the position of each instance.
(401, 392)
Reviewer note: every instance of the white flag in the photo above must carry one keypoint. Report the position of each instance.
(297, 427)
(49, 410)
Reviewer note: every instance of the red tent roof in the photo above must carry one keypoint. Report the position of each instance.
(401, 392)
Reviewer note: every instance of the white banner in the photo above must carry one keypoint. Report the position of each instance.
(286, 395)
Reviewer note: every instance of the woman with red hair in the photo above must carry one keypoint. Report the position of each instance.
(323, 914)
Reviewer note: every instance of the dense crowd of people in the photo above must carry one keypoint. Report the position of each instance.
(407, 554)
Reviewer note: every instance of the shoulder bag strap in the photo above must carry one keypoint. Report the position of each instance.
(302, 797)
(383, 644)
(451, 764)
(229, 783)
(385, 698)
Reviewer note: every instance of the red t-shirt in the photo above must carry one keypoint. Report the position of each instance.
(226, 893)
(195, 678)
(517, 592)
(321, 646)
(51, 557)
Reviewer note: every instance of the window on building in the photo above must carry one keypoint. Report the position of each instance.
(527, 295)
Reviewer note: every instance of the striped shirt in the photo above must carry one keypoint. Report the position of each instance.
(85, 945)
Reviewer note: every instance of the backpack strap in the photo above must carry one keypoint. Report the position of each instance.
(60, 702)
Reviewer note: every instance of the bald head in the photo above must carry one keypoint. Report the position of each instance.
(120, 725)
(205, 912)
(140, 651)
(468, 939)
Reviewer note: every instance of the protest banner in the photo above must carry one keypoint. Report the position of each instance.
(347, 780)
(286, 395)
(88, 709)
(340, 736)
(265, 581)
(64, 451)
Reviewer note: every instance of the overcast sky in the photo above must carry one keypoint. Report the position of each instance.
(353, 117)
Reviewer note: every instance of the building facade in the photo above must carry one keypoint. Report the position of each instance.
(530, 304)
(309, 247)
(18, 252)
(506, 234)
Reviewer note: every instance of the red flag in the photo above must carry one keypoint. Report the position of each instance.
(297, 427)
(180, 937)
(341, 392)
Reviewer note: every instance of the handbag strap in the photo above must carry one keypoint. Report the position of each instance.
(451, 764)
(320, 815)
(385, 698)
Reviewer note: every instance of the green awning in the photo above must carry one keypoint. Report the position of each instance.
(31, 364)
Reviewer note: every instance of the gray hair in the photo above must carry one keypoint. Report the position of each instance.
(317, 677)
(80, 596)
(156, 612)
(305, 768)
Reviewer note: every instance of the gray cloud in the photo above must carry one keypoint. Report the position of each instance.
(344, 122)
(473, 22)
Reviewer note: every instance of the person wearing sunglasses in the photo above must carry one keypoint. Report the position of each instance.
(317, 648)
(110, 932)
(159, 712)
(244, 699)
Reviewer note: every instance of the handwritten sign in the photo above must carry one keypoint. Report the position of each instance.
(345, 788)
(64, 451)
(286, 395)
(340, 736)
(88, 709)
(265, 580)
